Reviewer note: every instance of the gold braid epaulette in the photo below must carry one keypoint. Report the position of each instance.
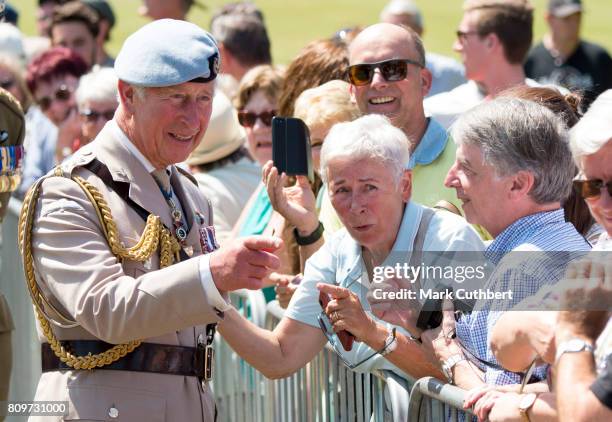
(153, 235)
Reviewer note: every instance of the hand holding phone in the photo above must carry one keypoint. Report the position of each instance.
(291, 147)
(346, 338)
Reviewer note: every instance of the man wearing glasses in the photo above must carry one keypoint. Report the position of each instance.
(493, 39)
(388, 76)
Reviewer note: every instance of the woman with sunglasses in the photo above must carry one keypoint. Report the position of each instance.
(52, 78)
(362, 165)
(96, 99)
(257, 104)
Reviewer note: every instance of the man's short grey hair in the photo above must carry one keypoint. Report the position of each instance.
(98, 85)
(370, 137)
(519, 135)
(594, 130)
(244, 36)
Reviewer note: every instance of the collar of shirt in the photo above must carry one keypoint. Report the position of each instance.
(403, 243)
(521, 231)
(430, 147)
(131, 147)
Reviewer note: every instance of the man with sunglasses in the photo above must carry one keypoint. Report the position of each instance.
(493, 39)
(388, 76)
(123, 249)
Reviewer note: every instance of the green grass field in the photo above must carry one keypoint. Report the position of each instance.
(293, 23)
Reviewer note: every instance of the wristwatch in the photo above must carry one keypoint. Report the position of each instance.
(390, 343)
(449, 364)
(525, 404)
(573, 345)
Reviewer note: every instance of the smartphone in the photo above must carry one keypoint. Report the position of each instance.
(346, 338)
(291, 147)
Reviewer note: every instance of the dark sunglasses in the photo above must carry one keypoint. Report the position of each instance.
(92, 116)
(392, 70)
(62, 94)
(8, 84)
(248, 118)
(591, 189)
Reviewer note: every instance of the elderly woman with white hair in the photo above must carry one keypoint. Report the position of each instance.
(362, 165)
(96, 99)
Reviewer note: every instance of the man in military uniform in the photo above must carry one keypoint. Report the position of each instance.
(103, 287)
(12, 132)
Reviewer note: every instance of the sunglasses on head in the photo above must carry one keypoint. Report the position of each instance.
(62, 94)
(92, 116)
(248, 118)
(392, 70)
(591, 189)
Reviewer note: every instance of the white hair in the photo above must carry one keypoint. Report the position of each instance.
(594, 130)
(98, 85)
(370, 137)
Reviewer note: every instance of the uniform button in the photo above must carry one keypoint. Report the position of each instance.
(113, 412)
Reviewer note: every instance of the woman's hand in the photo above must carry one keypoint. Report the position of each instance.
(284, 288)
(403, 313)
(297, 203)
(346, 313)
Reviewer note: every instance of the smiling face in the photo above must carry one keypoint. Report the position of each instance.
(481, 191)
(167, 124)
(259, 136)
(400, 101)
(597, 166)
(368, 201)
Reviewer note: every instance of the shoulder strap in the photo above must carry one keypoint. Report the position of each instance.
(121, 188)
(419, 239)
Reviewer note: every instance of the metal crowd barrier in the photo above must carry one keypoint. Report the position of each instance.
(324, 390)
(433, 400)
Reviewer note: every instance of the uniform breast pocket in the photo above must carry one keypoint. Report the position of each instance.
(113, 404)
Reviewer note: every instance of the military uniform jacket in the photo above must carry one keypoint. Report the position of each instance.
(120, 301)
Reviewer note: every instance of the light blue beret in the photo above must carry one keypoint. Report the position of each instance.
(168, 52)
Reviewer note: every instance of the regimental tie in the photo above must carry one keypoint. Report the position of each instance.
(162, 177)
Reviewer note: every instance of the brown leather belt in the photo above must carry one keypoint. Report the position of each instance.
(148, 357)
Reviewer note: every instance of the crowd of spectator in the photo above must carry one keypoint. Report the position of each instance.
(507, 152)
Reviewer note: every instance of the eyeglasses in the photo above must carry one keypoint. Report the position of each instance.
(8, 84)
(591, 189)
(63, 93)
(248, 118)
(462, 35)
(334, 340)
(392, 70)
(92, 116)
